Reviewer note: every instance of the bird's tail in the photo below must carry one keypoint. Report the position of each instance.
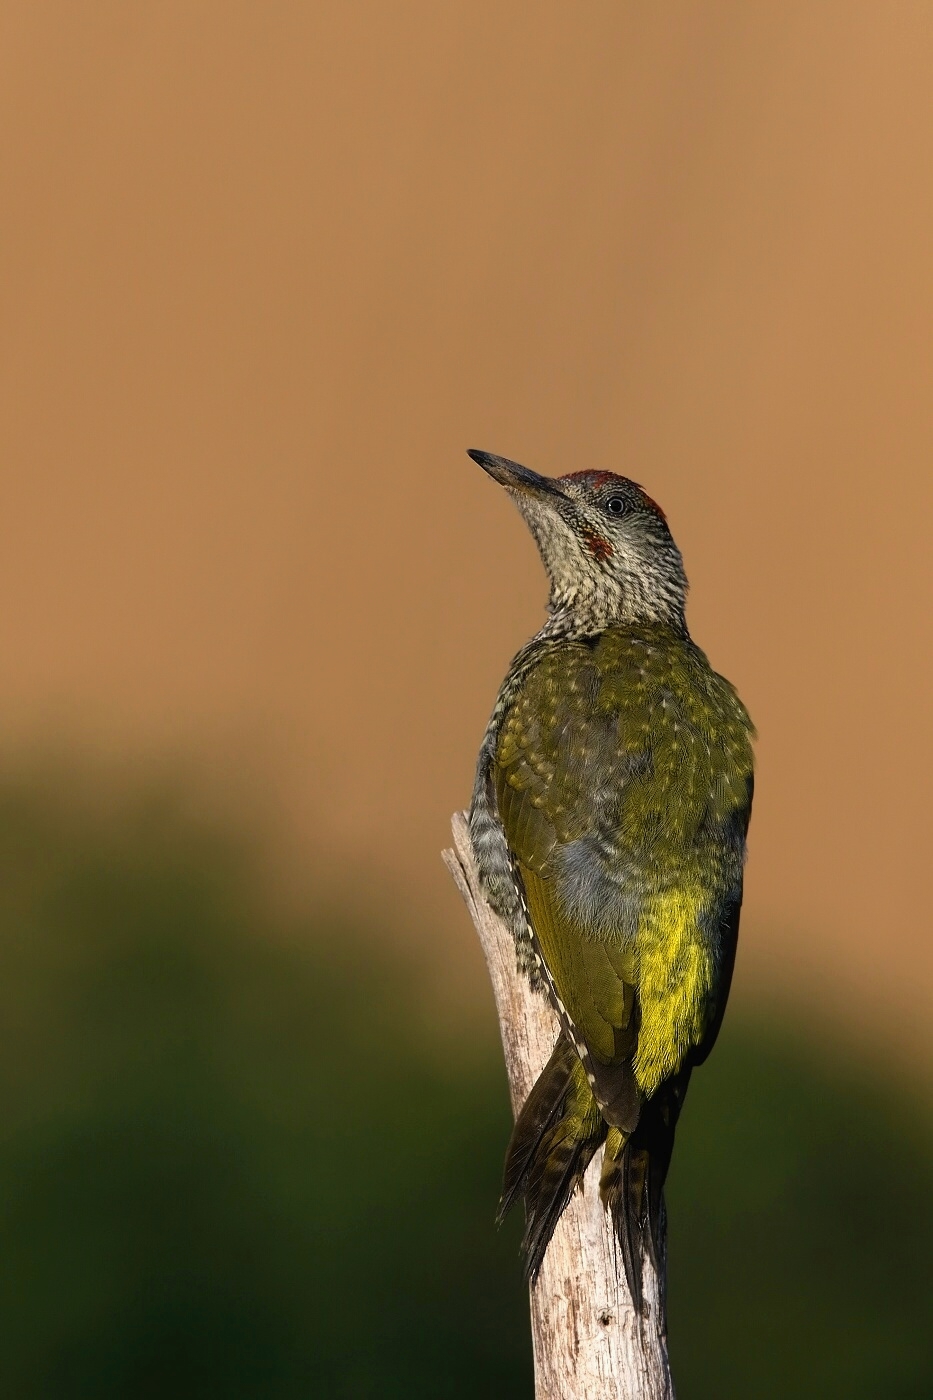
(632, 1182)
(556, 1133)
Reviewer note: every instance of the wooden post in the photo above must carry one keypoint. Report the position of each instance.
(589, 1344)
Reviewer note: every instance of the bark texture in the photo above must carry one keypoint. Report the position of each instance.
(589, 1344)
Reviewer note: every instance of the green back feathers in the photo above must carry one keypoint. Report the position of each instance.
(638, 717)
(628, 753)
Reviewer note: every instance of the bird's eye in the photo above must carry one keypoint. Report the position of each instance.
(617, 505)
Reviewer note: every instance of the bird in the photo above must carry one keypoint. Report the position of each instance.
(609, 819)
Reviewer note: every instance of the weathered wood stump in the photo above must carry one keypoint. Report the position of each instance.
(589, 1343)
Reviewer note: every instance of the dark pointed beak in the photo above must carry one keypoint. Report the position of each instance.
(514, 477)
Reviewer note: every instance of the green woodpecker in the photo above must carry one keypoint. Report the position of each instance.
(609, 816)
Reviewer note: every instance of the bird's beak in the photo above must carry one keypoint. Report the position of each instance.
(514, 477)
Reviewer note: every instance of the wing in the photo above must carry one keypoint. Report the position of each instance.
(558, 752)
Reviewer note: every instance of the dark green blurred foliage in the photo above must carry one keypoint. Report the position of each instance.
(232, 1165)
(227, 1165)
(801, 1227)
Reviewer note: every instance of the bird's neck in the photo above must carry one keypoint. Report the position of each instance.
(582, 610)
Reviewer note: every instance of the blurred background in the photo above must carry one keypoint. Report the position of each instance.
(267, 270)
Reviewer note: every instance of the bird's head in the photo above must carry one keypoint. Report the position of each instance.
(605, 544)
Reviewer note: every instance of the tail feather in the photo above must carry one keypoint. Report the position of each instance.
(556, 1133)
(569, 1155)
(632, 1182)
(624, 1187)
(539, 1115)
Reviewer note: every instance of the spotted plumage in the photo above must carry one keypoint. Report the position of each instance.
(609, 816)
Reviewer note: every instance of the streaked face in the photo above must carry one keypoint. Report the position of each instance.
(601, 537)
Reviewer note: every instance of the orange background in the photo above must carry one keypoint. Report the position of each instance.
(267, 270)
